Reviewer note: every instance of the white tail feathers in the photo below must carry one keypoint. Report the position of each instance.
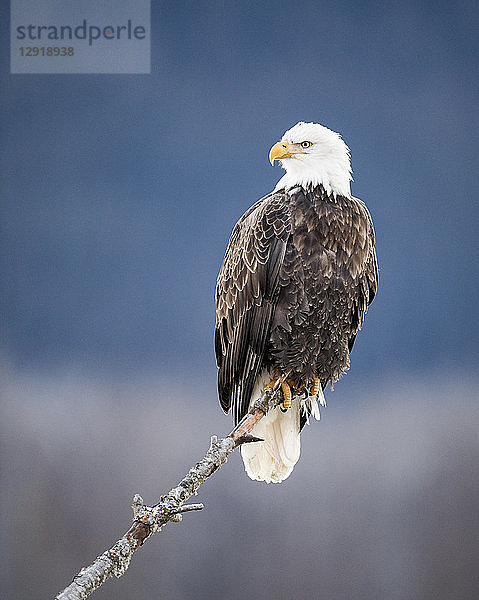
(273, 460)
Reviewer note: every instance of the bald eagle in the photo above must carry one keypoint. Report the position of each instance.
(299, 273)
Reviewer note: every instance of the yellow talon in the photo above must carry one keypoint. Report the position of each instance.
(286, 395)
(315, 386)
(271, 384)
(285, 388)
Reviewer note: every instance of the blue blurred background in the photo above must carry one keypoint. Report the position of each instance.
(118, 195)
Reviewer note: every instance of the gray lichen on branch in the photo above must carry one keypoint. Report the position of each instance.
(148, 520)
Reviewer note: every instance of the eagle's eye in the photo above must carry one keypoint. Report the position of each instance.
(306, 144)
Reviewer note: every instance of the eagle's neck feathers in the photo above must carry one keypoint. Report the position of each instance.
(334, 176)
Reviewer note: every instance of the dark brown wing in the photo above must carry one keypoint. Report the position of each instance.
(362, 267)
(246, 295)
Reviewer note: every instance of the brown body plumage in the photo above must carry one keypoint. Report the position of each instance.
(298, 275)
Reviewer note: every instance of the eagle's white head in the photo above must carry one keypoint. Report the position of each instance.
(312, 154)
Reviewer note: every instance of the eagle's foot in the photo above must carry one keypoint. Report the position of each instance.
(273, 384)
(315, 386)
(285, 388)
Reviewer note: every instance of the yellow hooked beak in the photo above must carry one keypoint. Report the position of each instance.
(279, 150)
(283, 150)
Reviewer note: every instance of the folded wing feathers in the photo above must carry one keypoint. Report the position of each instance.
(245, 296)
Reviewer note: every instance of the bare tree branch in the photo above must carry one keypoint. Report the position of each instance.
(150, 519)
